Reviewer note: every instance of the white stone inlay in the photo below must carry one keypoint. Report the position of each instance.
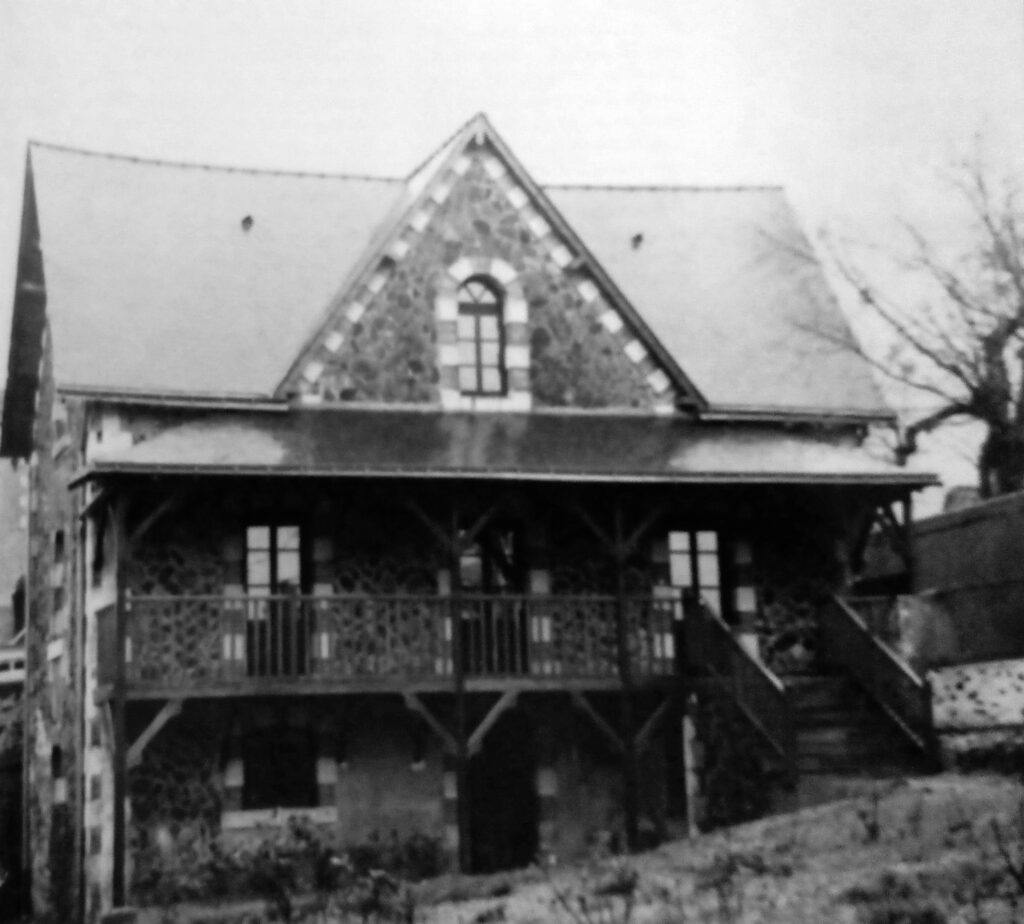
(516, 197)
(451, 399)
(399, 248)
(494, 167)
(517, 356)
(502, 271)
(658, 381)
(420, 220)
(312, 371)
(326, 770)
(376, 282)
(441, 192)
(447, 308)
(635, 350)
(516, 311)
(355, 311)
(334, 340)
(588, 290)
(664, 409)
(547, 782)
(539, 226)
(461, 268)
(611, 321)
(461, 165)
(561, 255)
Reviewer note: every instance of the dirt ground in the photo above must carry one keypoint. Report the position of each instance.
(937, 850)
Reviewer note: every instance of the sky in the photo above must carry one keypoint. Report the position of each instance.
(856, 106)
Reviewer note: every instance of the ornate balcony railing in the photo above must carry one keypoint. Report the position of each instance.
(12, 660)
(848, 641)
(193, 640)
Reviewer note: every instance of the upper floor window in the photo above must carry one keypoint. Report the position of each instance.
(481, 338)
(273, 562)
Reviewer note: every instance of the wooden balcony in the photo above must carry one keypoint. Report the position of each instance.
(224, 646)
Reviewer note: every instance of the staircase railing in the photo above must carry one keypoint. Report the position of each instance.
(713, 649)
(848, 642)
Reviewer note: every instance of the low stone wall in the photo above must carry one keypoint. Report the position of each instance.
(978, 697)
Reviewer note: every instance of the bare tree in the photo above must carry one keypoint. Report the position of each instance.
(961, 340)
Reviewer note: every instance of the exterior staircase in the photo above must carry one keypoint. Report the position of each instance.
(840, 732)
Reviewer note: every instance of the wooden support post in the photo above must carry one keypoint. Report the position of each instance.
(169, 710)
(630, 768)
(459, 670)
(908, 541)
(118, 715)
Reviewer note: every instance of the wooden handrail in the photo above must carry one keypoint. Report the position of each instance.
(889, 680)
(760, 696)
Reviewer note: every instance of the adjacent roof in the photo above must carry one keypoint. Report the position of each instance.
(539, 446)
(156, 280)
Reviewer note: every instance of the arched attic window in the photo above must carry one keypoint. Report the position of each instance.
(481, 337)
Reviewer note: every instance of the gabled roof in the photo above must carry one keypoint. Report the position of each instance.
(187, 280)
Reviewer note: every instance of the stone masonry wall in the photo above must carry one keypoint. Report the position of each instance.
(52, 654)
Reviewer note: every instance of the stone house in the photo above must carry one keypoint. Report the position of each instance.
(378, 502)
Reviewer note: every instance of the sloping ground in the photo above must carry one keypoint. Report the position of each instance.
(936, 850)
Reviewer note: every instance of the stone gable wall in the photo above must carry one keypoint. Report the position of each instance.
(386, 340)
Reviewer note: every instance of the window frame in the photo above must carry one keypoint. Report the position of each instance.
(695, 556)
(469, 306)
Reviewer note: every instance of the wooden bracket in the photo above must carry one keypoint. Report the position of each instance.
(169, 710)
(614, 738)
(413, 702)
(631, 541)
(443, 539)
(156, 515)
(505, 702)
(603, 537)
(643, 737)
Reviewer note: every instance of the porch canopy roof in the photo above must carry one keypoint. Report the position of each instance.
(536, 446)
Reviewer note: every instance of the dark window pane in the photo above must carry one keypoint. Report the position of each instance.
(280, 769)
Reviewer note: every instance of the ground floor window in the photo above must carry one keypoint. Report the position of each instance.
(280, 768)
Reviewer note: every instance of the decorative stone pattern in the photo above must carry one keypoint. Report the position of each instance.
(181, 556)
(978, 697)
(175, 793)
(385, 342)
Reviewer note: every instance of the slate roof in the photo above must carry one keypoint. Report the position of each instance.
(538, 446)
(155, 285)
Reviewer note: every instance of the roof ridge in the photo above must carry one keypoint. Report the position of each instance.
(670, 187)
(447, 141)
(219, 168)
